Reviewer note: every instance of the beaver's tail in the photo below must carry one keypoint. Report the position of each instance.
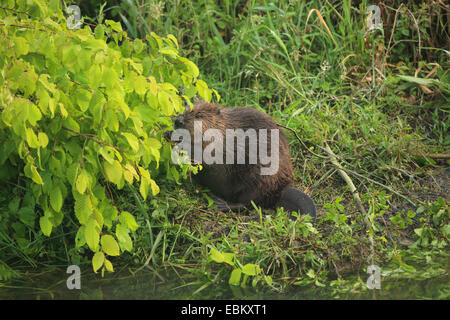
(292, 199)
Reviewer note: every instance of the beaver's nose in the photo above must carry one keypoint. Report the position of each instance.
(179, 121)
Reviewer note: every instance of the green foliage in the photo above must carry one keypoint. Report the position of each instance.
(245, 272)
(428, 255)
(80, 111)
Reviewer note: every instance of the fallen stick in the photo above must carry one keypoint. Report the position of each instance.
(347, 179)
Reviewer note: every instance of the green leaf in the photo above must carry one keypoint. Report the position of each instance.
(95, 44)
(128, 219)
(216, 255)
(203, 90)
(174, 40)
(21, 46)
(116, 26)
(46, 226)
(13, 205)
(82, 181)
(140, 85)
(109, 266)
(446, 230)
(147, 114)
(27, 215)
(138, 45)
(251, 269)
(144, 188)
(80, 238)
(56, 199)
(83, 98)
(418, 231)
(32, 173)
(132, 141)
(123, 237)
(229, 258)
(84, 59)
(109, 215)
(96, 106)
(268, 280)
(107, 153)
(111, 117)
(235, 277)
(99, 31)
(83, 208)
(91, 234)
(420, 81)
(311, 273)
(164, 102)
(113, 171)
(98, 260)
(154, 186)
(109, 245)
(32, 139)
(34, 114)
(169, 52)
(43, 139)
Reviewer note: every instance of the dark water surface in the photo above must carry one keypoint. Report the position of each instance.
(147, 285)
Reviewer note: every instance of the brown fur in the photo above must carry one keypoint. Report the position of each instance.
(240, 183)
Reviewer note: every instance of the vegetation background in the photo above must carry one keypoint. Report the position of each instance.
(369, 113)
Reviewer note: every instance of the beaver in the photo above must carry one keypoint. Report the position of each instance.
(238, 174)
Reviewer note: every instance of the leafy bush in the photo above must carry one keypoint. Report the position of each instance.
(81, 110)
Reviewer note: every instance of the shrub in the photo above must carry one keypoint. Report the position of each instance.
(81, 109)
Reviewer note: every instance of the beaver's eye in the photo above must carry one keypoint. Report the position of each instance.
(198, 115)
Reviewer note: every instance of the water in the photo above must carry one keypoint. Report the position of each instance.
(171, 285)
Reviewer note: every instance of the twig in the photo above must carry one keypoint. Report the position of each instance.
(340, 168)
(355, 194)
(349, 181)
(380, 184)
(304, 145)
(437, 155)
(90, 136)
(17, 11)
(410, 175)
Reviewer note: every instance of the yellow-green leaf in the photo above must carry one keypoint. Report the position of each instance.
(154, 186)
(109, 266)
(128, 219)
(109, 245)
(216, 255)
(251, 269)
(32, 173)
(144, 188)
(21, 46)
(43, 139)
(56, 199)
(92, 235)
(83, 208)
(46, 225)
(113, 171)
(82, 181)
(32, 139)
(140, 85)
(235, 277)
(132, 141)
(97, 260)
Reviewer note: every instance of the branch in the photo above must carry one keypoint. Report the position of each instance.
(304, 145)
(90, 137)
(347, 179)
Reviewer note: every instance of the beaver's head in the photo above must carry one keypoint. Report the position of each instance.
(208, 114)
